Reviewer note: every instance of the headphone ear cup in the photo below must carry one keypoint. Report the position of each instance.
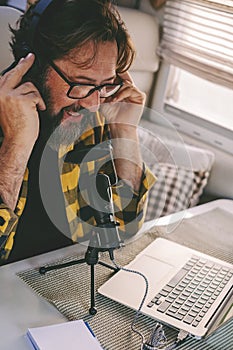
(24, 51)
(26, 47)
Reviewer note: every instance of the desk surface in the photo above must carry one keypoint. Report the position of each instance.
(21, 307)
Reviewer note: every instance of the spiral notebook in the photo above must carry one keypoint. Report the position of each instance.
(73, 335)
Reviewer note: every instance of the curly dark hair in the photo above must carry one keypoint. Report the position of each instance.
(69, 24)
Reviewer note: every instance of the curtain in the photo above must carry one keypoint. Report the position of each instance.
(198, 37)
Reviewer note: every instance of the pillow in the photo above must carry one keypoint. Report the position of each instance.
(176, 188)
(182, 171)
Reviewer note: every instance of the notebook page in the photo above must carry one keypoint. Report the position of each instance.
(73, 335)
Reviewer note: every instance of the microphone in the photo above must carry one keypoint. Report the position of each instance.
(106, 235)
(87, 153)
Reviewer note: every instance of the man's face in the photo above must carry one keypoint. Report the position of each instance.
(69, 113)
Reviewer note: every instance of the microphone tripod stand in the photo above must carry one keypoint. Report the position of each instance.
(105, 236)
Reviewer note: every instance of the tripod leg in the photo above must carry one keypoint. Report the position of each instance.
(109, 266)
(92, 309)
(45, 269)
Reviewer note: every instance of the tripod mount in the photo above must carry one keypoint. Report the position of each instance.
(104, 236)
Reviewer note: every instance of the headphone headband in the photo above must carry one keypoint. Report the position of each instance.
(37, 12)
(28, 45)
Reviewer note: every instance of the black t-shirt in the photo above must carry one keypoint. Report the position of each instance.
(36, 233)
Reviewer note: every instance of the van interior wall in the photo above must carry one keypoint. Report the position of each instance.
(220, 181)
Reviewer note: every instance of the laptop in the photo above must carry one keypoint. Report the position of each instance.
(187, 289)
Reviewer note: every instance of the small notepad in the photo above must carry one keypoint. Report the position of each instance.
(72, 335)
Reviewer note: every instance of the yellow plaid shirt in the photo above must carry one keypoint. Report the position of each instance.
(129, 214)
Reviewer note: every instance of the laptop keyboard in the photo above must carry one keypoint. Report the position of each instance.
(192, 291)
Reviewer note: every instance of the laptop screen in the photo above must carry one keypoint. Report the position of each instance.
(223, 317)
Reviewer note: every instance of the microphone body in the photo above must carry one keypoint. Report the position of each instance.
(105, 234)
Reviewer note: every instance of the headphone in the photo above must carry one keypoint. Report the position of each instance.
(37, 12)
(27, 46)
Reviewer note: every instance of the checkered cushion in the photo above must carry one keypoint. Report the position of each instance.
(182, 170)
(177, 188)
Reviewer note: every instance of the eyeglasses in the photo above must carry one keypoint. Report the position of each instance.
(79, 90)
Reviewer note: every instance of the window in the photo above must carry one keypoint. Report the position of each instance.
(195, 84)
(195, 106)
(197, 96)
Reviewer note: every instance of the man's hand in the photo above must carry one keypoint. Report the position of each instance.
(19, 122)
(19, 103)
(123, 113)
(126, 107)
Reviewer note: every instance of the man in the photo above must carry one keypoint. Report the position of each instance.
(51, 100)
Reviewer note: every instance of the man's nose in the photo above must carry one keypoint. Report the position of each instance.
(92, 102)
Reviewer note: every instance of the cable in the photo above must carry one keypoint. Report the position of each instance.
(157, 340)
(143, 299)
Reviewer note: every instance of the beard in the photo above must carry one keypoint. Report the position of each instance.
(68, 132)
(59, 132)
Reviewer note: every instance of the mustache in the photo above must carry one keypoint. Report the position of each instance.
(51, 121)
(68, 133)
(73, 108)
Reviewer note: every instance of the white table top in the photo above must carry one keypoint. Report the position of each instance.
(21, 307)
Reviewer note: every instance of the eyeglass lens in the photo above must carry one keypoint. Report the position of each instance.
(82, 91)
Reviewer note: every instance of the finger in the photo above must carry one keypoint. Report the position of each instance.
(29, 88)
(128, 93)
(25, 88)
(125, 76)
(122, 94)
(30, 91)
(37, 100)
(13, 78)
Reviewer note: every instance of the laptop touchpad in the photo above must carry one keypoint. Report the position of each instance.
(128, 288)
